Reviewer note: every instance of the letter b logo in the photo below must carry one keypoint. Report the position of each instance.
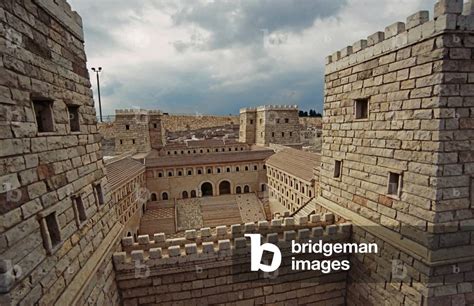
(256, 250)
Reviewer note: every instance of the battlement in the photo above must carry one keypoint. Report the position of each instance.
(131, 111)
(63, 13)
(134, 111)
(224, 241)
(248, 110)
(155, 112)
(268, 108)
(277, 107)
(448, 15)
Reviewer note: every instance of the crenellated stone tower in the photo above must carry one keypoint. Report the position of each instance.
(156, 129)
(57, 225)
(138, 130)
(398, 157)
(247, 125)
(131, 126)
(270, 124)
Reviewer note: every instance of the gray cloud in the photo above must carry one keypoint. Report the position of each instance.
(242, 22)
(218, 56)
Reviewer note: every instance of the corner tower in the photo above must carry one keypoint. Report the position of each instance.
(58, 225)
(247, 125)
(133, 130)
(156, 129)
(397, 157)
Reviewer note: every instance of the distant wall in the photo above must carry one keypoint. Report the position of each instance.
(177, 123)
(107, 131)
(307, 122)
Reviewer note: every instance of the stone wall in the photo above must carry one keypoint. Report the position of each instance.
(247, 126)
(132, 131)
(55, 230)
(417, 129)
(277, 124)
(156, 128)
(107, 133)
(176, 123)
(311, 122)
(211, 266)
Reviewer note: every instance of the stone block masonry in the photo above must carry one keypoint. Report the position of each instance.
(132, 131)
(270, 124)
(397, 150)
(203, 268)
(58, 227)
(179, 123)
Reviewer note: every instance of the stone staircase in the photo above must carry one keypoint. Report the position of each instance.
(306, 210)
(251, 209)
(220, 210)
(158, 220)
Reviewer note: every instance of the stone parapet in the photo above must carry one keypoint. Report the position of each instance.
(449, 15)
(131, 111)
(268, 108)
(224, 241)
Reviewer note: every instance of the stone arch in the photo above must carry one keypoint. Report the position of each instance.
(225, 187)
(207, 189)
(153, 197)
(193, 193)
(263, 187)
(238, 189)
(246, 189)
(164, 196)
(185, 194)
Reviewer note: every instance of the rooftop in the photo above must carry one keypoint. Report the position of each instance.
(122, 170)
(206, 159)
(295, 162)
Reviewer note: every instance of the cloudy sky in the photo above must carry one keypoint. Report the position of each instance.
(214, 57)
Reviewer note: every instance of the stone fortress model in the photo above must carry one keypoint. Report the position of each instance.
(163, 223)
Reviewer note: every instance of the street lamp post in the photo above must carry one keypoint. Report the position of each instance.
(97, 71)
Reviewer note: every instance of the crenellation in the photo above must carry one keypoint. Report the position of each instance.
(223, 232)
(399, 34)
(224, 246)
(346, 51)
(417, 19)
(359, 45)
(443, 7)
(394, 29)
(375, 38)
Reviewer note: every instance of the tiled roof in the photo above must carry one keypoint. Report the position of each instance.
(206, 159)
(121, 171)
(295, 162)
